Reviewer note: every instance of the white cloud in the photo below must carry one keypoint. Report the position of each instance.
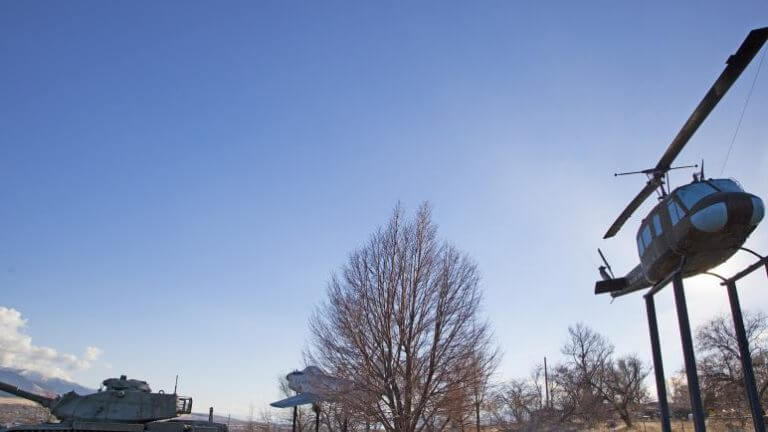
(17, 350)
(92, 353)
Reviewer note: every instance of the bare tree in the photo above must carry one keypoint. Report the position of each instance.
(719, 365)
(457, 407)
(401, 321)
(517, 403)
(678, 392)
(591, 384)
(622, 385)
(483, 363)
(267, 420)
(250, 425)
(580, 379)
(536, 379)
(334, 416)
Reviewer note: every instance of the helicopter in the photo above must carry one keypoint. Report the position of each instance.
(697, 226)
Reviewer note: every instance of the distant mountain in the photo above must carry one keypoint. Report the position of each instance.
(37, 383)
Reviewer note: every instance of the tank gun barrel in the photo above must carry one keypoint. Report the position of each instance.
(12, 389)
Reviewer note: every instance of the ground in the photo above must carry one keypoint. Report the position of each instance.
(20, 411)
(677, 426)
(15, 411)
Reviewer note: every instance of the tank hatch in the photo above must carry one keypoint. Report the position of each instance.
(125, 384)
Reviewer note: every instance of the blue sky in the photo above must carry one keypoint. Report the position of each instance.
(179, 179)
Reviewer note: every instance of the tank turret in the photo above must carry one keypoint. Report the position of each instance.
(122, 400)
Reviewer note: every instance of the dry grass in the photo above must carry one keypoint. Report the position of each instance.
(16, 401)
(677, 426)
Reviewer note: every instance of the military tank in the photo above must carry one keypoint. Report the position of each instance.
(121, 405)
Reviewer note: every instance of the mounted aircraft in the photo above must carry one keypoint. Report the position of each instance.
(312, 386)
(694, 227)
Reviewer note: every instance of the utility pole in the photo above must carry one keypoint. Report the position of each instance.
(546, 384)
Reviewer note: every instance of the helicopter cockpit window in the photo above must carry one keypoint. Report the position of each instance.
(675, 212)
(640, 247)
(726, 185)
(692, 193)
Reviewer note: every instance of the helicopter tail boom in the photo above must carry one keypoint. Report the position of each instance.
(633, 281)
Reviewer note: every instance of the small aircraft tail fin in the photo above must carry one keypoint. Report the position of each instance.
(610, 285)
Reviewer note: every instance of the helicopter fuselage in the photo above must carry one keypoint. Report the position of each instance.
(706, 222)
(693, 229)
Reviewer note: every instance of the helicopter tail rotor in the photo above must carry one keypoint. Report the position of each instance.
(609, 283)
(605, 270)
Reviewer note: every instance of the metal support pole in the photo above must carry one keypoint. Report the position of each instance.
(295, 408)
(690, 359)
(658, 367)
(546, 384)
(746, 359)
(317, 417)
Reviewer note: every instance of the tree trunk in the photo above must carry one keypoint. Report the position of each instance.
(477, 417)
(626, 417)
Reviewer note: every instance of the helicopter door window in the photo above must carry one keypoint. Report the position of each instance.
(646, 235)
(726, 185)
(657, 224)
(694, 192)
(675, 212)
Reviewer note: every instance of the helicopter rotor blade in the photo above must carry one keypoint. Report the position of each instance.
(735, 66)
(639, 199)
